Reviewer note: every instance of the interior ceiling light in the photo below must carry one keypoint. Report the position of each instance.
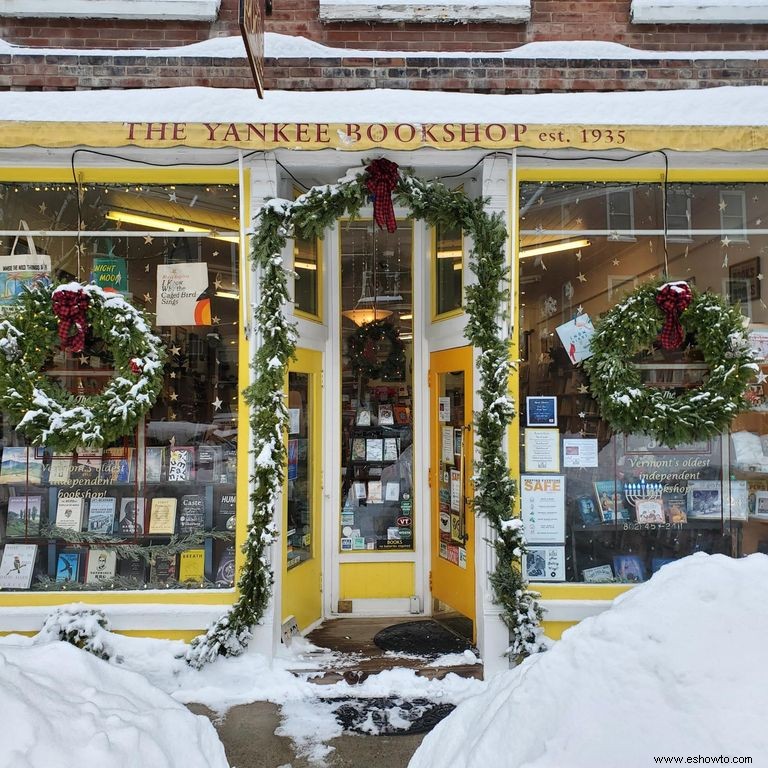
(167, 225)
(227, 294)
(311, 265)
(363, 315)
(450, 254)
(544, 248)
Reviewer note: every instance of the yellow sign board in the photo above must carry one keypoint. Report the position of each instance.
(366, 136)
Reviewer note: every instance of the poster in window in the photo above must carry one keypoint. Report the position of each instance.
(576, 336)
(542, 508)
(21, 271)
(183, 296)
(545, 563)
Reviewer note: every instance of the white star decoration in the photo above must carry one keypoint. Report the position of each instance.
(581, 277)
(172, 197)
(723, 205)
(761, 378)
(146, 267)
(578, 255)
(579, 221)
(725, 242)
(583, 389)
(579, 309)
(42, 207)
(147, 297)
(582, 415)
(83, 360)
(217, 283)
(217, 403)
(173, 396)
(215, 320)
(175, 350)
(615, 262)
(148, 239)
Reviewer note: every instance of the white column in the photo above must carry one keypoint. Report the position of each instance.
(266, 636)
(492, 634)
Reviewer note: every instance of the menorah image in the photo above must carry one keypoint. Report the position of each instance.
(646, 498)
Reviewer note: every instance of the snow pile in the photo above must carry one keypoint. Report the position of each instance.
(63, 707)
(675, 667)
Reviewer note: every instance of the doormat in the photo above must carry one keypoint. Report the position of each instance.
(391, 716)
(425, 638)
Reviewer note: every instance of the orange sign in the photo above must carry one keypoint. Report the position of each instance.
(252, 30)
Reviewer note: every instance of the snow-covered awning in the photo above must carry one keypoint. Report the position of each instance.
(731, 119)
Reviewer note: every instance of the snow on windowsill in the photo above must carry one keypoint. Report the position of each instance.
(450, 11)
(700, 12)
(279, 46)
(187, 10)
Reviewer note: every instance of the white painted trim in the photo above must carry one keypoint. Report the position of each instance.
(699, 12)
(136, 616)
(396, 607)
(500, 11)
(189, 10)
(573, 610)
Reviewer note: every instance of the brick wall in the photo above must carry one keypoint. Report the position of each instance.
(477, 74)
(551, 20)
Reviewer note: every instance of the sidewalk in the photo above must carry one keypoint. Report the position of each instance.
(248, 735)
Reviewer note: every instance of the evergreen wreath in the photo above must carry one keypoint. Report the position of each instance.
(670, 418)
(308, 217)
(364, 347)
(39, 406)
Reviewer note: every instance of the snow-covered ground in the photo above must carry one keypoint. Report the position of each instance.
(676, 667)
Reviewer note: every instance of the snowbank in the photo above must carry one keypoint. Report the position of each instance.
(62, 707)
(676, 667)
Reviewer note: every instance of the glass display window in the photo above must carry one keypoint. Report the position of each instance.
(299, 473)
(307, 266)
(603, 507)
(376, 388)
(448, 260)
(157, 509)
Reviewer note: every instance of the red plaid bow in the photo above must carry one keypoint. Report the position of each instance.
(70, 307)
(382, 179)
(672, 299)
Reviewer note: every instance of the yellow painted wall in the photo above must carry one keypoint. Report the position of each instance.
(365, 580)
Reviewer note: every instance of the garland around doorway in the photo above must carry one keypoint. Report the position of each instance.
(308, 217)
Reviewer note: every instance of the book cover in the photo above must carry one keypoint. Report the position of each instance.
(17, 566)
(739, 500)
(629, 568)
(359, 488)
(154, 463)
(192, 565)
(363, 418)
(208, 463)
(162, 569)
(135, 570)
(85, 467)
(374, 491)
(68, 566)
(610, 501)
(374, 449)
(229, 466)
(402, 414)
(675, 507)
(587, 509)
(131, 519)
(392, 490)
(386, 414)
(102, 566)
(58, 469)
(225, 571)
(23, 516)
(358, 449)
(650, 511)
(162, 515)
(181, 462)
(69, 513)
(192, 514)
(390, 449)
(20, 466)
(705, 499)
(101, 514)
(117, 466)
(225, 513)
(598, 574)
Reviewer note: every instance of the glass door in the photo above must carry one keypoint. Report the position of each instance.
(452, 575)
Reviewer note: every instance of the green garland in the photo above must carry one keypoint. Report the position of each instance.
(362, 352)
(40, 407)
(705, 411)
(308, 217)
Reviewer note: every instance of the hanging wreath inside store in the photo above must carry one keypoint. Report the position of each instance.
(668, 315)
(377, 352)
(44, 317)
(308, 217)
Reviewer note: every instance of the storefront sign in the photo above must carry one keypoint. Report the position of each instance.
(542, 504)
(545, 563)
(363, 136)
(252, 30)
(182, 294)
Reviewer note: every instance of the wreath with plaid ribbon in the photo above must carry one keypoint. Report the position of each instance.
(377, 352)
(670, 315)
(71, 314)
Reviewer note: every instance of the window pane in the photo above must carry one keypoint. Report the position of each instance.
(638, 504)
(376, 387)
(307, 283)
(299, 475)
(449, 263)
(90, 517)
